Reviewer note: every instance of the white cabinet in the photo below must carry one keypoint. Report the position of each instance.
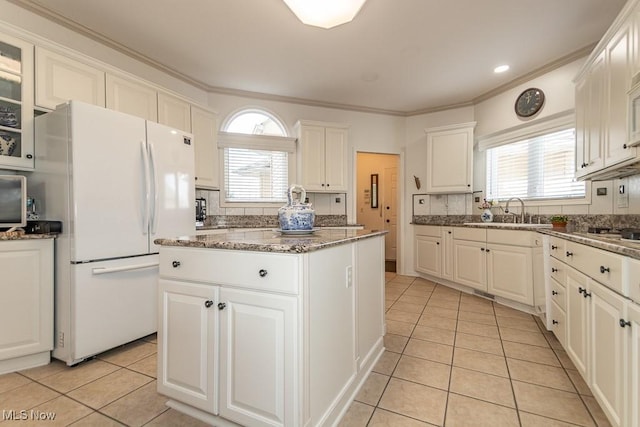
(174, 112)
(257, 357)
(60, 79)
(204, 128)
(188, 343)
(450, 159)
(510, 272)
(608, 350)
(500, 262)
(322, 156)
(26, 303)
(428, 250)
(131, 97)
(470, 263)
(447, 252)
(284, 342)
(577, 320)
(632, 415)
(591, 133)
(16, 104)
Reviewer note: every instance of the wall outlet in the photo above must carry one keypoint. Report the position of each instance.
(60, 339)
(622, 195)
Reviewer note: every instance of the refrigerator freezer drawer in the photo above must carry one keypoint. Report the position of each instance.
(111, 303)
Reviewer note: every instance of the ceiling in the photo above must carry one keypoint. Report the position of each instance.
(397, 56)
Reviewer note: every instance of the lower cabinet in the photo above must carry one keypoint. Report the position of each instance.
(470, 263)
(510, 272)
(26, 303)
(429, 255)
(257, 357)
(633, 365)
(188, 362)
(577, 317)
(267, 339)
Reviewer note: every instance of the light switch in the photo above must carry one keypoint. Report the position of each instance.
(622, 197)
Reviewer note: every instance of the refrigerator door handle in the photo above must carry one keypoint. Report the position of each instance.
(154, 192)
(147, 187)
(107, 270)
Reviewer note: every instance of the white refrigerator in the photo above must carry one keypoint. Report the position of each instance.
(117, 182)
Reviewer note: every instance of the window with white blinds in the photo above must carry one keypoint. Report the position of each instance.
(255, 175)
(538, 168)
(257, 158)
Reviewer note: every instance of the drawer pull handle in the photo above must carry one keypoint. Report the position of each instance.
(262, 272)
(586, 294)
(604, 269)
(554, 270)
(554, 292)
(623, 323)
(175, 264)
(208, 303)
(581, 290)
(555, 322)
(569, 253)
(482, 249)
(554, 247)
(221, 305)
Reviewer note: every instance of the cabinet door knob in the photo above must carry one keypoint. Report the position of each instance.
(554, 247)
(569, 253)
(554, 270)
(388, 220)
(604, 269)
(623, 323)
(482, 249)
(263, 272)
(29, 156)
(586, 294)
(221, 305)
(488, 250)
(625, 146)
(437, 243)
(175, 264)
(449, 232)
(555, 322)
(581, 290)
(208, 303)
(554, 292)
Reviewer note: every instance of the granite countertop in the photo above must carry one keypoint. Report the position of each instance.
(272, 241)
(13, 235)
(230, 227)
(609, 243)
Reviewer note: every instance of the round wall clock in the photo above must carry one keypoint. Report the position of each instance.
(529, 102)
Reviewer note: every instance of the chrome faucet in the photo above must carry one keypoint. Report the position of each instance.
(506, 208)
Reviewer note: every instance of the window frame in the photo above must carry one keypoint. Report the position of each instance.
(550, 124)
(256, 142)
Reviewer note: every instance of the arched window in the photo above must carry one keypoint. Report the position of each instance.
(258, 158)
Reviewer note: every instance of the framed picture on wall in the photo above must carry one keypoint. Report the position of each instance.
(374, 190)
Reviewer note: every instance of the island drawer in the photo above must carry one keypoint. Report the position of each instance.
(254, 270)
(558, 323)
(605, 267)
(556, 247)
(558, 294)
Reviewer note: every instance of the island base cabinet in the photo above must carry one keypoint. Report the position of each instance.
(257, 358)
(187, 343)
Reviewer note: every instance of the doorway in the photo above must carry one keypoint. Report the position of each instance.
(377, 199)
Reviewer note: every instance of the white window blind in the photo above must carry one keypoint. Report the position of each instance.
(541, 167)
(255, 175)
(257, 157)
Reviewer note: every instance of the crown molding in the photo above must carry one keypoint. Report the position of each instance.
(53, 16)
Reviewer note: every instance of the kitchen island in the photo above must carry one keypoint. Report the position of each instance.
(264, 329)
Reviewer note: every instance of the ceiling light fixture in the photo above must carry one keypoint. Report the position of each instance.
(325, 13)
(501, 69)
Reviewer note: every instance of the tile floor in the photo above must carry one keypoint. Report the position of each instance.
(452, 359)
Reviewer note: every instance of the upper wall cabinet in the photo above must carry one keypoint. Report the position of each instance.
(450, 159)
(60, 79)
(322, 156)
(16, 104)
(135, 98)
(174, 112)
(602, 101)
(205, 131)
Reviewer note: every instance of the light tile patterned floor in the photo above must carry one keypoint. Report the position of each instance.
(452, 360)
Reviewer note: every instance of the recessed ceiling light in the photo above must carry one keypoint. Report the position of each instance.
(501, 69)
(325, 13)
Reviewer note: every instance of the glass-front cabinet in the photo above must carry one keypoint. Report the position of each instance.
(16, 104)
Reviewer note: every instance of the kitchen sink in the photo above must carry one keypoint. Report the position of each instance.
(508, 225)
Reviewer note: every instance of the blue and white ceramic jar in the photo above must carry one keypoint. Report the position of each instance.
(296, 215)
